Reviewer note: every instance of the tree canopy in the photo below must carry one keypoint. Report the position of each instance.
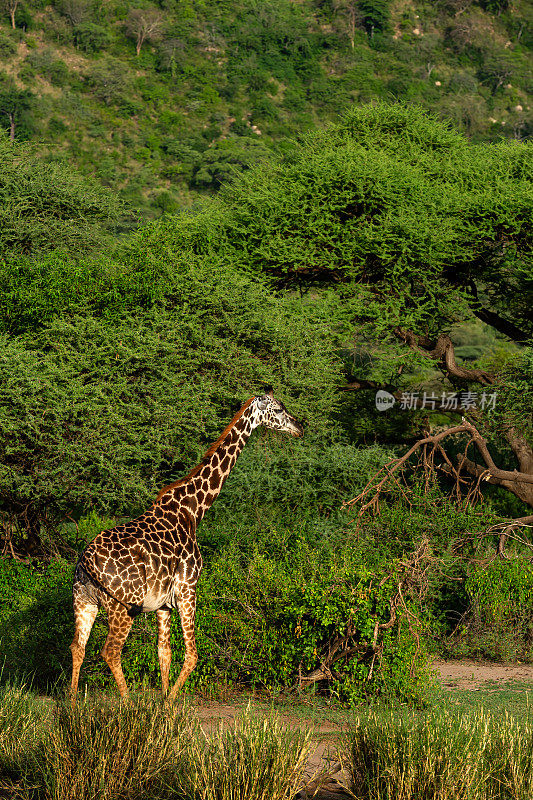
(417, 225)
(44, 206)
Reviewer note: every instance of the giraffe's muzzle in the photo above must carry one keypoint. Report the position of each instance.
(297, 429)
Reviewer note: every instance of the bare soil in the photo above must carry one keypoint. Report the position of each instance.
(476, 675)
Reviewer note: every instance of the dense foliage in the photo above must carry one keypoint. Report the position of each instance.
(163, 100)
(418, 218)
(99, 413)
(120, 365)
(44, 206)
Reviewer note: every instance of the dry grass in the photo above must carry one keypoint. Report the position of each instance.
(101, 750)
(441, 756)
(256, 759)
(108, 751)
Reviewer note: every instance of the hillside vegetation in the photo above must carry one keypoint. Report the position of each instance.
(162, 102)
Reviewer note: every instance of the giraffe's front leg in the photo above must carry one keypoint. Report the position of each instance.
(163, 645)
(187, 609)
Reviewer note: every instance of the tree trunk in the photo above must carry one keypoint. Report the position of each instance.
(12, 126)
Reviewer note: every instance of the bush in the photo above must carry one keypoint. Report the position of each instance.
(225, 160)
(48, 66)
(109, 80)
(36, 621)
(499, 623)
(8, 47)
(272, 602)
(91, 38)
(270, 619)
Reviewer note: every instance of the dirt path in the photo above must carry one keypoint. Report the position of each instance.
(481, 674)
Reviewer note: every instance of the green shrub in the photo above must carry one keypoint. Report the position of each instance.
(8, 47)
(48, 66)
(91, 38)
(270, 605)
(109, 80)
(499, 623)
(225, 160)
(36, 622)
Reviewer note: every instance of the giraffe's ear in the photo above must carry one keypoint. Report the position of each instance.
(269, 391)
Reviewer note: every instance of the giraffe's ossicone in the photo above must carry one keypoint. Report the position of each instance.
(153, 562)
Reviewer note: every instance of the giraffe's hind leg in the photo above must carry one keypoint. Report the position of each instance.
(163, 645)
(84, 616)
(187, 609)
(119, 626)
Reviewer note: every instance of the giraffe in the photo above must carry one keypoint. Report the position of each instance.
(153, 562)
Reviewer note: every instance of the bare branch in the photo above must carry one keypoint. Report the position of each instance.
(520, 483)
(442, 350)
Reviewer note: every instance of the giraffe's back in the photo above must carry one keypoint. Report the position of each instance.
(145, 562)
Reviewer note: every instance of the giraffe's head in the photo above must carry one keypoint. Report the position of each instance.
(272, 414)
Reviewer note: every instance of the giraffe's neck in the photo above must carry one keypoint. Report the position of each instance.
(198, 491)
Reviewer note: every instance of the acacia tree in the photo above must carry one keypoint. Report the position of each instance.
(144, 24)
(416, 229)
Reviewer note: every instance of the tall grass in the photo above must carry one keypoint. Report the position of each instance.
(108, 750)
(24, 723)
(441, 756)
(256, 759)
(101, 750)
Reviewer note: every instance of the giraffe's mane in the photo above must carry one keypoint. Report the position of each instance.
(195, 470)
